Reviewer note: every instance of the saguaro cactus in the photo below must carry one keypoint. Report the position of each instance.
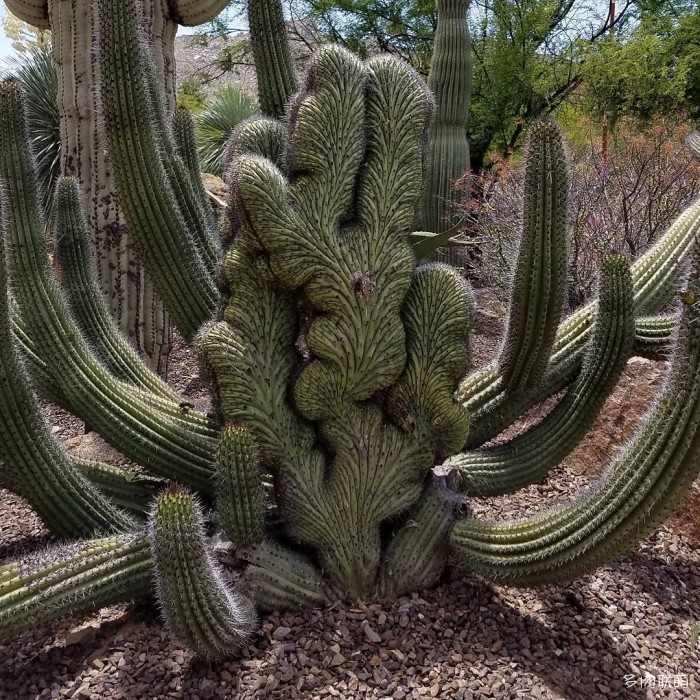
(334, 362)
(277, 80)
(129, 290)
(450, 78)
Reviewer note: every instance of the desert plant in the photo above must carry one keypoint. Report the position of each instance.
(624, 205)
(227, 108)
(337, 366)
(129, 290)
(36, 73)
(450, 79)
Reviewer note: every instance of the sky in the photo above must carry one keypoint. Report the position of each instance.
(5, 46)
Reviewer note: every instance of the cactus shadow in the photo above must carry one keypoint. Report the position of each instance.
(670, 582)
(551, 647)
(25, 545)
(44, 658)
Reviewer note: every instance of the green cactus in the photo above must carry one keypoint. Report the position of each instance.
(539, 282)
(337, 367)
(450, 78)
(85, 300)
(73, 579)
(277, 81)
(531, 455)
(196, 602)
(239, 486)
(636, 492)
(129, 291)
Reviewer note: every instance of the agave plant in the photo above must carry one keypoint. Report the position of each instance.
(37, 76)
(228, 107)
(338, 368)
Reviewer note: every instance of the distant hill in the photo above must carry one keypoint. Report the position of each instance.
(197, 58)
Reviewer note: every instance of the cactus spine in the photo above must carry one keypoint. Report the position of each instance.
(450, 78)
(277, 80)
(72, 579)
(195, 600)
(240, 496)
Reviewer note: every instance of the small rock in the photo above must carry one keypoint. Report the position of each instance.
(85, 634)
(337, 660)
(371, 635)
(281, 633)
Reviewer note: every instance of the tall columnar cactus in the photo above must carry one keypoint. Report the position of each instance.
(335, 363)
(130, 292)
(277, 80)
(450, 78)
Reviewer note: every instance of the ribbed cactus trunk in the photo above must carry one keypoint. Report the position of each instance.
(277, 80)
(450, 79)
(128, 288)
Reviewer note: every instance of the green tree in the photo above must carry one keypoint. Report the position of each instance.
(653, 69)
(527, 53)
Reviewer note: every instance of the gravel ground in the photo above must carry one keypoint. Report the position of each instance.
(596, 638)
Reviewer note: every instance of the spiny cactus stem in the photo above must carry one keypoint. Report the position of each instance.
(196, 602)
(539, 282)
(524, 459)
(635, 493)
(169, 249)
(185, 136)
(653, 277)
(87, 302)
(73, 579)
(275, 72)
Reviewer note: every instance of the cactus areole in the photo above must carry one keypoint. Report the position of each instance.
(343, 419)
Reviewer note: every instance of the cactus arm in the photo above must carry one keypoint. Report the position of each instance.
(185, 137)
(34, 12)
(417, 553)
(284, 580)
(133, 492)
(529, 456)
(482, 391)
(191, 13)
(192, 206)
(450, 79)
(196, 602)
(73, 579)
(132, 421)
(168, 248)
(41, 379)
(86, 302)
(635, 493)
(239, 492)
(277, 80)
(537, 293)
(32, 463)
(654, 336)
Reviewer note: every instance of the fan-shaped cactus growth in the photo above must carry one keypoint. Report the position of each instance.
(337, 369)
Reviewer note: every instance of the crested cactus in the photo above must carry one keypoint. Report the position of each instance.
(337, 368)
